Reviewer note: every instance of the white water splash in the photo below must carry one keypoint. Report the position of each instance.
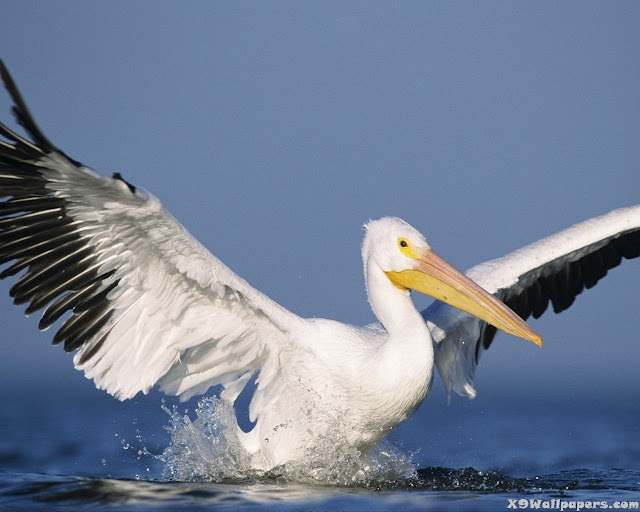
(207, 448)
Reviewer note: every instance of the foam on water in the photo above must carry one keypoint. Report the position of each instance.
(207, 448)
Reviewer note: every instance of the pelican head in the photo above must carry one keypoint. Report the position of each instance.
(407, 260)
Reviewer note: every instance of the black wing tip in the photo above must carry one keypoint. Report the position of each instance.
(24, 118)
(62, 269)
(21, 111)
(562, 288)
(118, 176)
(4, 73)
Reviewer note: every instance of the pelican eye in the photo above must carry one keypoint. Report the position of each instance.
(407, 248)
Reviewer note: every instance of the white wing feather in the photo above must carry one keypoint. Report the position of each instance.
(177, 317)
(181, 314)
(512, 278)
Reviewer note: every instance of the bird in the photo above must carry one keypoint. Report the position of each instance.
(144, 305)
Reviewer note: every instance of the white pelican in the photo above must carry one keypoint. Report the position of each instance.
(149, 306)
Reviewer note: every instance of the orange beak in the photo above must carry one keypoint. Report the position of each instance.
(435, 277)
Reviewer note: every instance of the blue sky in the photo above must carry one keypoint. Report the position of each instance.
(273, 131)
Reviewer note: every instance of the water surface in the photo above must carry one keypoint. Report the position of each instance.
(88, 449)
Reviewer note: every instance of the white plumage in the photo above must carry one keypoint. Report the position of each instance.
(151, 307)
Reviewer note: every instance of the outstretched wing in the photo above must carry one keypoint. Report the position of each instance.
(555, 269)
(148, 304)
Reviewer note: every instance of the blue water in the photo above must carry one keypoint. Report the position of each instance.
(85, 450)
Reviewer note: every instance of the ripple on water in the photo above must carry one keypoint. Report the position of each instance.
(432, 488)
